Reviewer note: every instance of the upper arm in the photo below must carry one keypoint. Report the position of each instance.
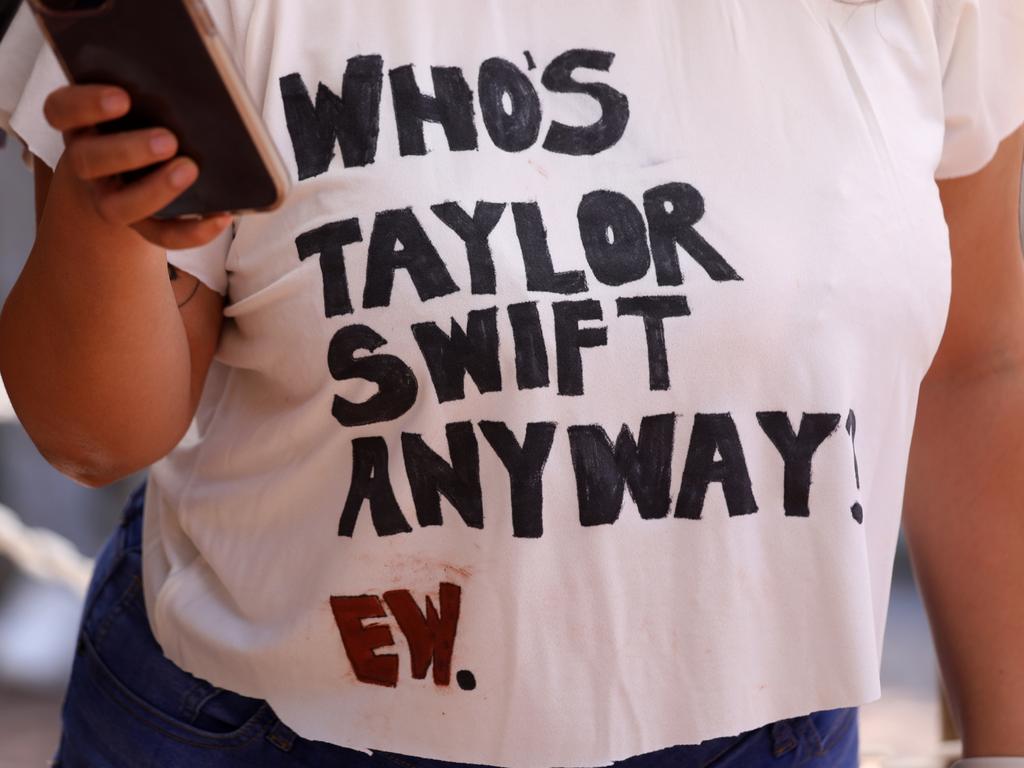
(985, 328)
(200, 306)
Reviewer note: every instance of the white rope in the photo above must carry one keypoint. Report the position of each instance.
(43, 553)
(38, 551)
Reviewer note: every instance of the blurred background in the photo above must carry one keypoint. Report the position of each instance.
(38, 620)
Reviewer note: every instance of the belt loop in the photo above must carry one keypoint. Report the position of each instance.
(281, 736)
(783, 738)
(194, 699)
(809, 733)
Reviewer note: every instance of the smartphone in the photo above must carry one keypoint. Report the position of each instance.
(168, 56)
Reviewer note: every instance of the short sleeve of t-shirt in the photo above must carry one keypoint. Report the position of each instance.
(981, 49)
(29, 72)
(207, 262)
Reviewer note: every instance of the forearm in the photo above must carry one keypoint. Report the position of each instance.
(964, 522)
(93, 350)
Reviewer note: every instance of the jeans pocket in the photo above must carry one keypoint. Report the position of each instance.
(224, 711)
(144, 718)
(122, 661)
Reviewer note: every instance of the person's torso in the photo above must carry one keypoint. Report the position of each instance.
(561, 412)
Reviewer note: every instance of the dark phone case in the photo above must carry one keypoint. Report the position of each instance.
(8, 8)
(153, 49)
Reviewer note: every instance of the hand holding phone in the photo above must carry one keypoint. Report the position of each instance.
(94, 164)
(168, 57)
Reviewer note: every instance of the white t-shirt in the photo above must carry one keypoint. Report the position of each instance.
(506, 453)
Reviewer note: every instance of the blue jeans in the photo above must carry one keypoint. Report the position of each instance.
(128, 706)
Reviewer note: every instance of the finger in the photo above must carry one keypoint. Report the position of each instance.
(177, 235)
(74, 107)
(97, 155)
(141, 199)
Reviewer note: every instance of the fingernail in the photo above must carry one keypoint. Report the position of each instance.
(162, 144)
(114, 102)
(183, 175)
